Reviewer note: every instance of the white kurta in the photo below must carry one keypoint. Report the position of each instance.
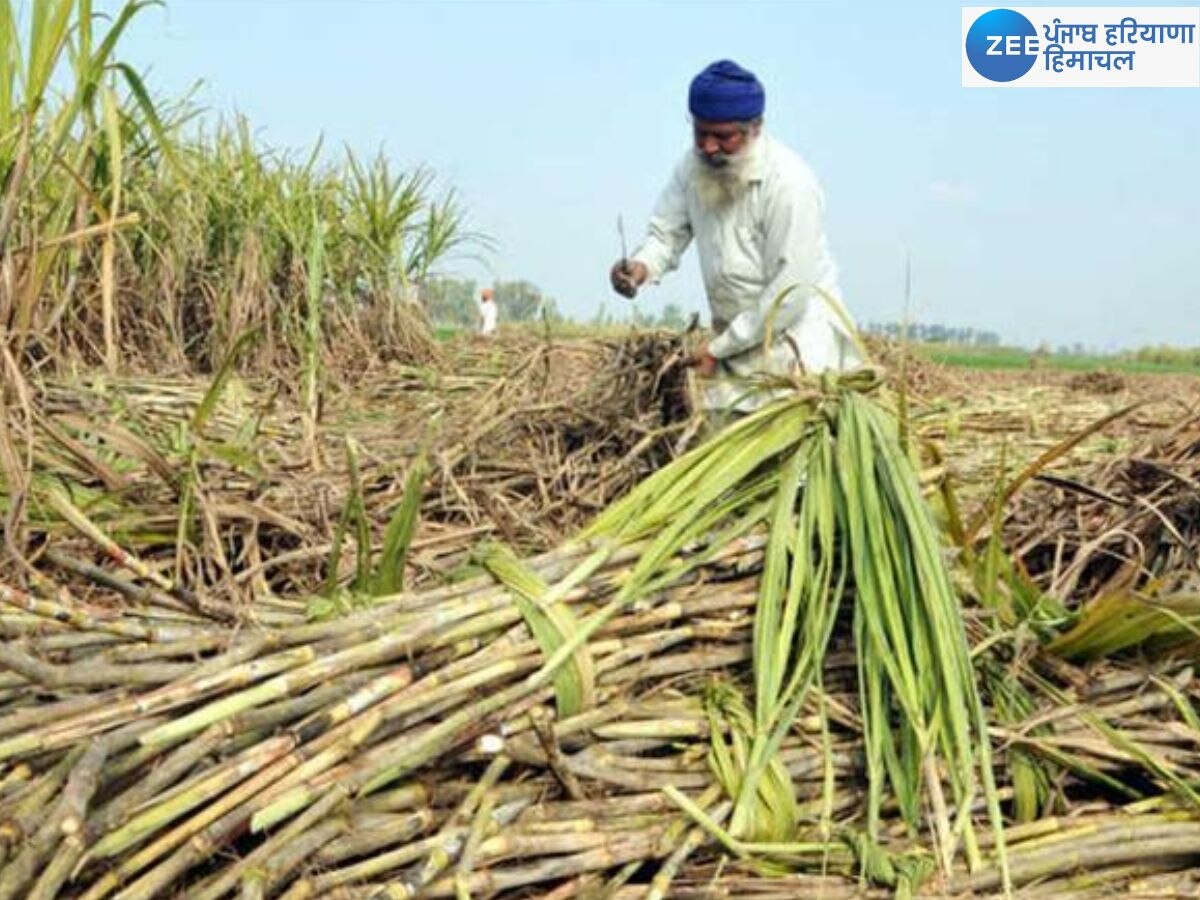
(488, 314)
(770, 239)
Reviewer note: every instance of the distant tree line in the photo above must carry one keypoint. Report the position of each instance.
(672, 317)
(1161, 355)
(1164, 355)
(934, 333)
(455, 302)
(919, 332)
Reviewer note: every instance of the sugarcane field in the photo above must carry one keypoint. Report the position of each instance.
(341, 561)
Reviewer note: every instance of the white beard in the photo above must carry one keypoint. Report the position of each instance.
(719, 188)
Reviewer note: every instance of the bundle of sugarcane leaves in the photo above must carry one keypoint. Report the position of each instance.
(668, 690)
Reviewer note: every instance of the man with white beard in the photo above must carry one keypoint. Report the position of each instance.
(756, 213)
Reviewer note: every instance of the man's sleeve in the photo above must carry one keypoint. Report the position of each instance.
(794, 215)
(670, 229)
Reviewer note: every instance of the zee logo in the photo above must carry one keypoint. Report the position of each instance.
(1011, 45)
(1002, 45)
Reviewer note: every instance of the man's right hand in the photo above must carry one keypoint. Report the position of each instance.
(627, 276)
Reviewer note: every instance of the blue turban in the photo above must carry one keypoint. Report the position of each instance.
(725, 92)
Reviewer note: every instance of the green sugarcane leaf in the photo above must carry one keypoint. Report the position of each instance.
(401, 528)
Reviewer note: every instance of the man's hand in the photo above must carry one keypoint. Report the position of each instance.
(704, 363)
(627, 276)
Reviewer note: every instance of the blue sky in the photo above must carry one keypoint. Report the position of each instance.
(1045, 215)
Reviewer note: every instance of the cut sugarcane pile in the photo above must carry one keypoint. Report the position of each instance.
(168, 753)
(652, 709)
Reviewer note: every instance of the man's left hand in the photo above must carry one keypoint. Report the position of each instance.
(704, 363)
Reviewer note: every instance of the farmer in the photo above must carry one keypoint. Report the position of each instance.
(487, 312)
(757, 215)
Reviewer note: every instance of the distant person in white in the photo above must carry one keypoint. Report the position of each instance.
(756, 212)
(488, 314)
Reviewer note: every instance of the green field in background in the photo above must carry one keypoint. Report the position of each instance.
(1162, 361)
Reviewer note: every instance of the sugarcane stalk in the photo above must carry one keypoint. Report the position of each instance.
(88, 673)
(29, 807)
(149, 596)
(553, 752)
(1134, 845)
(480, 825)
(75, 616)
(692, 840)
(60, 868)
(170, 696)
(271, 755)
(364, 838)
(217, 886)
(169, 770)
(608, 856)
(61, 503)
(406, 854)
(302, 847)
(64, 820)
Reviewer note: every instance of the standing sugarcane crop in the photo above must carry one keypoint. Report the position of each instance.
(756, 212)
